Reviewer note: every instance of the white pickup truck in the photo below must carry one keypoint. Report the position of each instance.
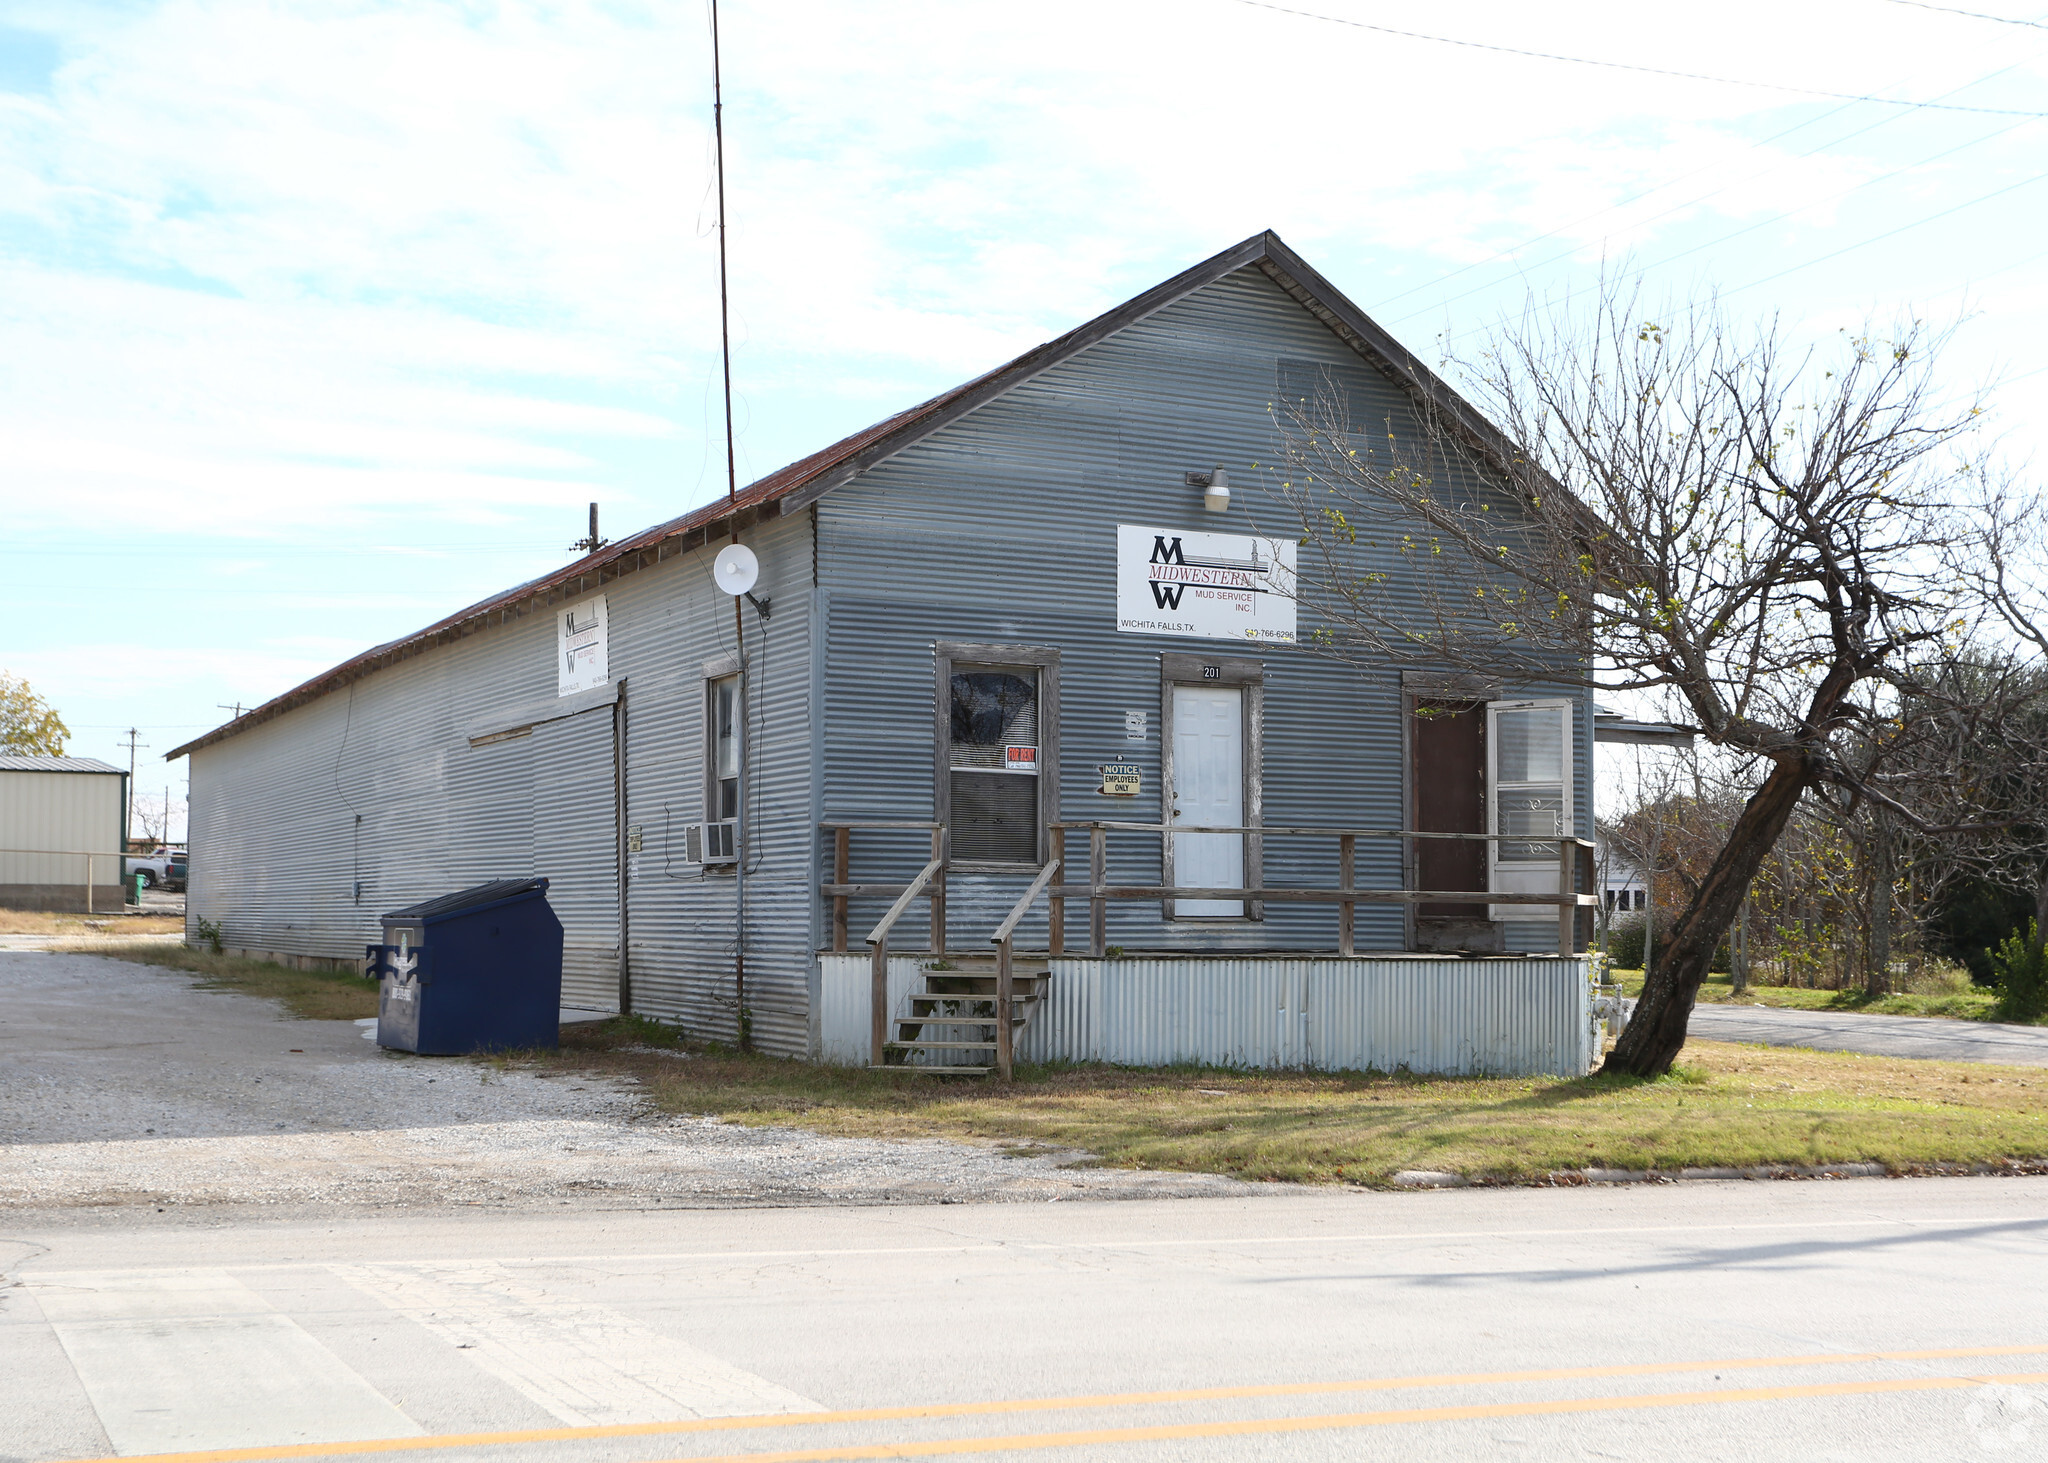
(165, 868)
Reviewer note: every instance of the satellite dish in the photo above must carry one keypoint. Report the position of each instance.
(736, 569)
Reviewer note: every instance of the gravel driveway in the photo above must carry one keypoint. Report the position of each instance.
(122, 1084)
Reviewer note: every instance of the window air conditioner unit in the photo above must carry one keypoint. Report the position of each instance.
(713, 843)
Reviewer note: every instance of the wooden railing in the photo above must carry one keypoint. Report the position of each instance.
(842, 888)
(878, 947)
(1098, 891)
(1005, 933)
(1346, 896)
(930, 883)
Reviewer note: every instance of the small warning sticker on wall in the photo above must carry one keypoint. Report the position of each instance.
(1119, 780)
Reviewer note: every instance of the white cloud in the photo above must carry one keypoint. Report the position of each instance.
(355, 272)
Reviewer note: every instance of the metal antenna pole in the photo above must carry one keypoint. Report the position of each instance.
(732, 519)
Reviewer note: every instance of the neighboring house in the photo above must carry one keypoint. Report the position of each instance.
(61, 832)
(1622, 885)
(992, 619)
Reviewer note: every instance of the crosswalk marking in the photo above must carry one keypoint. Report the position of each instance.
(584, 1363)
(198, 1360)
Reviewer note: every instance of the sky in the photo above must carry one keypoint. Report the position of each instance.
(320, 320)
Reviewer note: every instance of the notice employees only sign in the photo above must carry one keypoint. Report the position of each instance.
(1212, 586)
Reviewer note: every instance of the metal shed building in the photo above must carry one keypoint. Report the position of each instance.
(61, 832)
(988, 630)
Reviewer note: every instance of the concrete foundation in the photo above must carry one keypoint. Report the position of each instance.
(61, 898)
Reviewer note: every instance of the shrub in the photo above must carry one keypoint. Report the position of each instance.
(1625, 942)
(209, 932)
(2020, 968)
(1937, 980)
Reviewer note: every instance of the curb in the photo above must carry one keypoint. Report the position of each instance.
(1423, 1178)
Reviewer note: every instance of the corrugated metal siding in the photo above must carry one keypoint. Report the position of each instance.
(1426, 1015)
(1443, 1017)
(998, 528)
(274, 809)
(682, 919)
(60, 810)
(845, 1003)
(1002, 529)
(575, 831)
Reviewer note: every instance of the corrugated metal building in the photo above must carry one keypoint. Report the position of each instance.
(61, 832)
(946, 631)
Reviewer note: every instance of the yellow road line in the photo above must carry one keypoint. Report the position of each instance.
(1047, 1404)
(1331, 1422)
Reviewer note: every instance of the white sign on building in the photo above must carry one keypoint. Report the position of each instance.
(1213, 586)
(582, 656)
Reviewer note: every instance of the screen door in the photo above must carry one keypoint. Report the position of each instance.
(1208, 792)
(1529, 746)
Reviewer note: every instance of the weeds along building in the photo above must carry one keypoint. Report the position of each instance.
(992, 620)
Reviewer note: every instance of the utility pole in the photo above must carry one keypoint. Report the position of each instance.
(128, 813)
(236, 708)
(593, 543)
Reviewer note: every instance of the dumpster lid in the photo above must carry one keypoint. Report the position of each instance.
(494, 892)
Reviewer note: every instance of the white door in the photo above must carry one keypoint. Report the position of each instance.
(1208, 792)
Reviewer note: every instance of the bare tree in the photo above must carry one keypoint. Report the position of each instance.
(2009, 731)
(1662, 504)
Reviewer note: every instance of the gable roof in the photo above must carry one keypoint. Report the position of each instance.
(795, 487)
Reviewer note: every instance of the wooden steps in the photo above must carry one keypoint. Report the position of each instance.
(955, 1014)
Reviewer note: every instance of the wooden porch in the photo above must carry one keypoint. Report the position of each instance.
(978, 999)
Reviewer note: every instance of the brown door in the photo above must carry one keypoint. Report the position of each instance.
(1447, 740)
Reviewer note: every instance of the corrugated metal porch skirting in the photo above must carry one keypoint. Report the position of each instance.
(1436, 1016)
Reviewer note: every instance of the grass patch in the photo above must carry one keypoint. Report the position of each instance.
(1957, 1001)
(1727, 1106)
(310, 995)
(38, 922)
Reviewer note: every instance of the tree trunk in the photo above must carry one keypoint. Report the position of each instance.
(1738, 954)
(1656, 1029)
(1878, 978)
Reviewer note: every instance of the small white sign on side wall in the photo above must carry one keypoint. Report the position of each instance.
(582, 652)
(1211, 586)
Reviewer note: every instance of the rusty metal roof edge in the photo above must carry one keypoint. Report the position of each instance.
(802, 482)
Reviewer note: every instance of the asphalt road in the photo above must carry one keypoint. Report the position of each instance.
(1926, 1037)
(1853, 1320)
(328, 1249)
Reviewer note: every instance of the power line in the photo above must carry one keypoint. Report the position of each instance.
(1763, 222)
(407, 551)
(1838, 96)
(1688, 203)
(1972, 14)
(1891, 233)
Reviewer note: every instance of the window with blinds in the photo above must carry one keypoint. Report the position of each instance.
(993, 758)
(722, 797)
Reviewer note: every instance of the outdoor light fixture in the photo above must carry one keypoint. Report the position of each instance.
(1215, 486)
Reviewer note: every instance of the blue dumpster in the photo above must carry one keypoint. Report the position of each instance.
(470, 972)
